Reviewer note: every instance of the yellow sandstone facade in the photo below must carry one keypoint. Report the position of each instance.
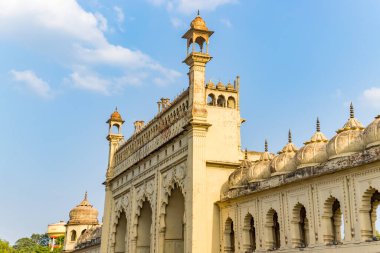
(181, 182)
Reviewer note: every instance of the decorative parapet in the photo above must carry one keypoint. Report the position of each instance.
(332, 166)
(164, 126)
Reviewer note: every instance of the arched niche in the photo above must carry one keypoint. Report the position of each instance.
(332, 222)
(121, 232)
(174, 222)
(229, 236)
(144, 225)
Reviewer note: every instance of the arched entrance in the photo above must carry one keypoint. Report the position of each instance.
(249, 233)
(144, 229)
(332, 222)
(368, 214)
(300, 237)
(174, 230)
(120, 236)
(229, 236)
(273, 230)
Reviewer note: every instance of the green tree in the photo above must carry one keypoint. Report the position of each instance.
(5, 247)
(37, 243)
(40, 239)
(25, 245)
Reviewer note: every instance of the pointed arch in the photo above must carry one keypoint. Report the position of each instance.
(231, 102)
(368, 215)
(249, 234)
(300, 227)
(120, 244)
(221, 102)
(211, 100)
(229, 236)
(174, 226)
(73, 235)
(273, 240)
(144, 227)
(332, 222)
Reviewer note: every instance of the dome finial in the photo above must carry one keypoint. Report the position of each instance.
(85, 195)
(352, 112)
(245, 154)
(266, 145)
(290, 136)
(198, 13)
(318, 125)
(116, 108)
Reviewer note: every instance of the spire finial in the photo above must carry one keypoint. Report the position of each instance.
(290, 136)
(245, 154)
(318, 125)
(266, 145)
(116, 108)
(85, 195)
(198, 12)
(352, 113)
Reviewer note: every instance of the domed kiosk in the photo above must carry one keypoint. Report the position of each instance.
(82, 217)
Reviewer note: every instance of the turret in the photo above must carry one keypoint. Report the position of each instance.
(82, 217)
(197, 35)
(114, 136)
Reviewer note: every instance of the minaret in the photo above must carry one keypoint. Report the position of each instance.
(114, 136)
(197, 35)
(197, 237)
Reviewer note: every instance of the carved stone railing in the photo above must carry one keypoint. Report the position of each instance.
(164, 126)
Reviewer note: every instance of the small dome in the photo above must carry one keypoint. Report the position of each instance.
(261, 169)
(198, 23)
(210, 85)
(84, 214)
(285, 162)
(239, 177)
(348, 140)
(115, 116)
(314, 151)
(371, 134)
(230, 86)
(220, 86)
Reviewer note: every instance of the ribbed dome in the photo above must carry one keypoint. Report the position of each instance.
(285, 162)
(371, 134)
(230, 86)
(261, 169)
(239, 177)
(84, 214)
(210, 85)
(198, 23)
(220, 86)
(314, 151)
(348, 140)
(115, 116)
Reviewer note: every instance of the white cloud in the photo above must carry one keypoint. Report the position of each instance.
(102, 22)
(90, 81)
(120, 17)
(371, 97)
(226, 22)
(177, 23)
(66, 35)
(32, 82)
(191, 6)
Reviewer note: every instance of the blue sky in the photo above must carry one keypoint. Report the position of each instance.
(66, 64)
